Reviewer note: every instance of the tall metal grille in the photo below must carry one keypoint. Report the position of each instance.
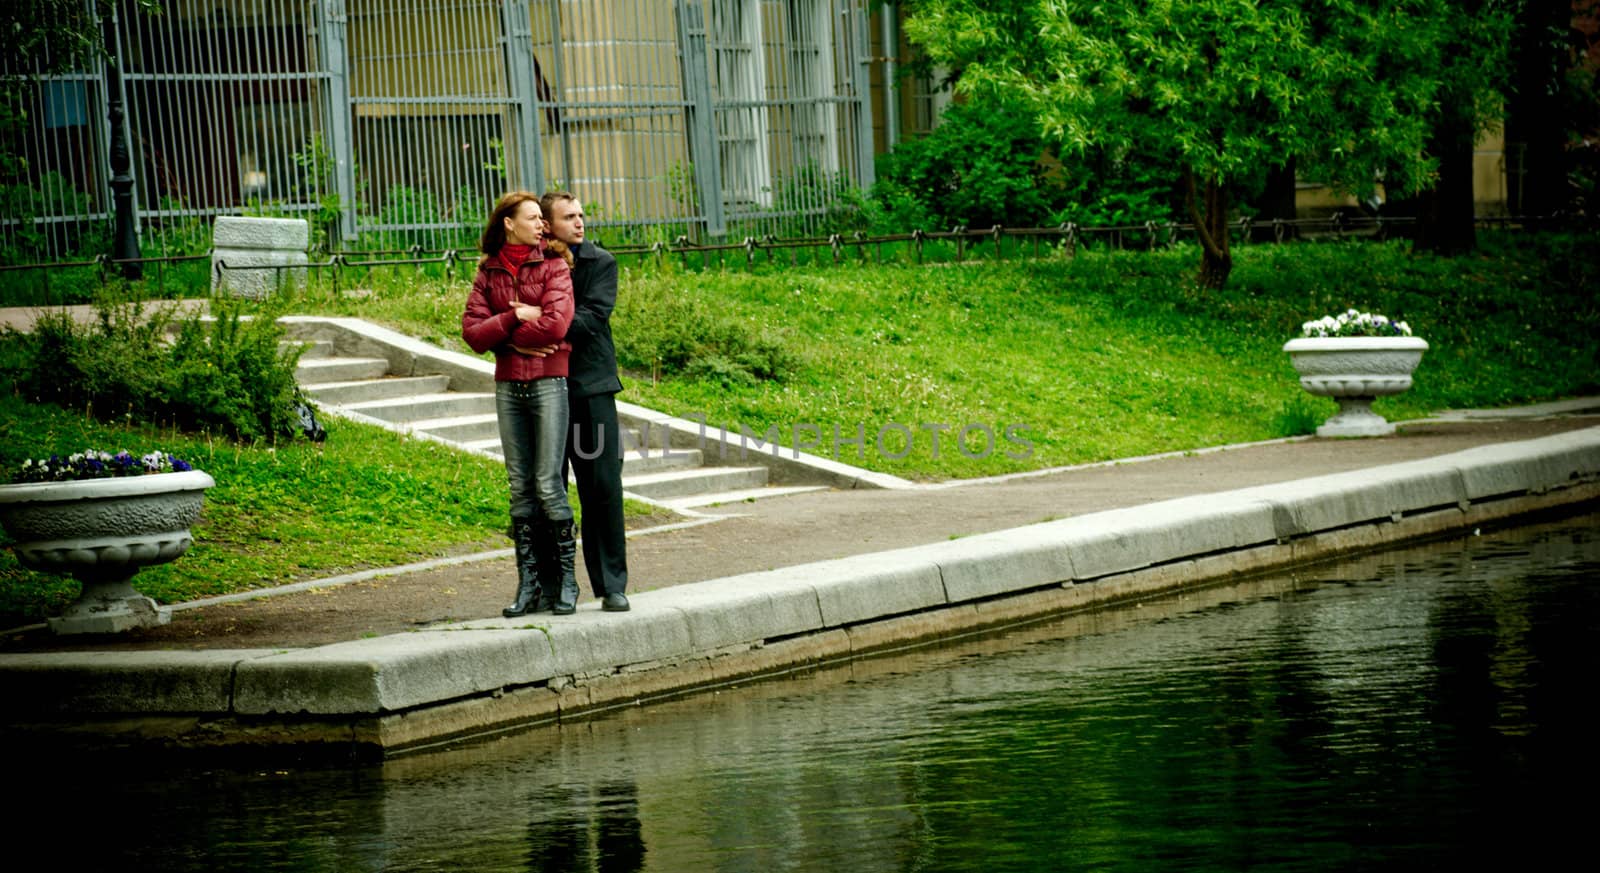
(395, 123)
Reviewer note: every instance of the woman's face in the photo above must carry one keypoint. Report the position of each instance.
(526, 225)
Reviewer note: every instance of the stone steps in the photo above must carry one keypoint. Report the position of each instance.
(363, 386)
(421, 407)
(364, 390)
(320, 370)
(666, 484)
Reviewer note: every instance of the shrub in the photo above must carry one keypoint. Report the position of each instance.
(1117, 191)
(979, 168)
(226, 373)
(233, 373)
(986, 165)
(676, 335)
(51, 195)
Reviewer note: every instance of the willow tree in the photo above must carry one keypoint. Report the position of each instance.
(1227, 89)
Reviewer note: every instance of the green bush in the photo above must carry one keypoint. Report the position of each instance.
(52, 195)
(138, 364)
(986, 165)
(979, 168)
(678, 335)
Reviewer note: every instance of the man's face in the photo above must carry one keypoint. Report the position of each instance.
(566, 221)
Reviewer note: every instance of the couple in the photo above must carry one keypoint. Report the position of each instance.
(542, 303)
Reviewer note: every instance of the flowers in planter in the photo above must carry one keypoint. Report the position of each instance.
(96, 464)
(1354, 323)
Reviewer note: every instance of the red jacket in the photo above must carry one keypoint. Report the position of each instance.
(490, 324)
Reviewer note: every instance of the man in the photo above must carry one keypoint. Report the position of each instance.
(594, 446)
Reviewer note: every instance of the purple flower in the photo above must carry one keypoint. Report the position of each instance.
(96, 464)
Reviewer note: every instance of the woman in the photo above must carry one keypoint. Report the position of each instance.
(522, 299)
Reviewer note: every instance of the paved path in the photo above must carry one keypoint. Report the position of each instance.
(809, 527)
(23, 317)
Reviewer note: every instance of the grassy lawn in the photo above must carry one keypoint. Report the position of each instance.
(1100, 356)
(1105, 355)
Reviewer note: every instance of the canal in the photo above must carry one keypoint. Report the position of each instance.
(1423, 708)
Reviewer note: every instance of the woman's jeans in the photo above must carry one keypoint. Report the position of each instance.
(533, 437)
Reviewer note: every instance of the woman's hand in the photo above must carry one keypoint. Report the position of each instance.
(526, 311)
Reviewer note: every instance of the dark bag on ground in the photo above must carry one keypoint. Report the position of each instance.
(309, 425)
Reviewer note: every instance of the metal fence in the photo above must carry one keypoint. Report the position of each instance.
(76, 281)
(395, 123)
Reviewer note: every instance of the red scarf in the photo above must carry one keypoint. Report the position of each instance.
(512, 255)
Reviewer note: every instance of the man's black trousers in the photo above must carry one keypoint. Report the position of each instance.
(594, 458)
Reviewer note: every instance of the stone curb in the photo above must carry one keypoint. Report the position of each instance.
(391, 692)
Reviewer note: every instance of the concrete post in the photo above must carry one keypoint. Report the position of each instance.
(243, 248)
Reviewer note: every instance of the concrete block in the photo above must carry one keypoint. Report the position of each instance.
(1137, 585)
(521, 706)
(747, 608)
(636, 687)
(1305, 506)
(1002, 562)
(247, 232)
(1585, 444)
(1121, 540)
(799, 653)
(254, 257)
(1254, 560)
(907, 631)
(1532, 466)
(1033, 605)
(868, 587)
(592, 641)
(1322, 545)
(391, 673)
(93, 683)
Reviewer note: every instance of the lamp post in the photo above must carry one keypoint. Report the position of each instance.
(124, 237)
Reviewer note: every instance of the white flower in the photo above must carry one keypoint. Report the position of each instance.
(1353, 322)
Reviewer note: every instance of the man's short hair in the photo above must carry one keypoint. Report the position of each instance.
(549, 199)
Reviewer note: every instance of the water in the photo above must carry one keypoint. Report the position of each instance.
(1425, 708)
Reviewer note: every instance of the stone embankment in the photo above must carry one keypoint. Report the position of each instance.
(378, 696)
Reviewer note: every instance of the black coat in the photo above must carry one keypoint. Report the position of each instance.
(593, 368)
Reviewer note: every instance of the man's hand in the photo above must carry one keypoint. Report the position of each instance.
(526, 311)
(536, 351)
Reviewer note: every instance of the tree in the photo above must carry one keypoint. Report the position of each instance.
(45, 38)
(1229, 89)
(1552, 106)
(1472, 73)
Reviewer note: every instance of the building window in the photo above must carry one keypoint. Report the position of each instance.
(739, 83)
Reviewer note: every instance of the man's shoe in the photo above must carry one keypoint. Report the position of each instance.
(615, 603)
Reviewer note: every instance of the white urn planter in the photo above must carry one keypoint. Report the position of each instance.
(1354, 371)
(103, 532)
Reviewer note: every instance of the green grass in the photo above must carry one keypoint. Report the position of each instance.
(1106, 355)
(1112, 355)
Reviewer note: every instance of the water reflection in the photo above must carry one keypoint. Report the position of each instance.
(1421, 708)
(586, 828)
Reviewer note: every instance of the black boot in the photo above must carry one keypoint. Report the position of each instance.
(544, 554)
(565, 544)
(529, 587)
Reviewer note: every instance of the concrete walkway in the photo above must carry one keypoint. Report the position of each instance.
(792, 584)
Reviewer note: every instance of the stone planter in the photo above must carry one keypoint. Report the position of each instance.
(103, 532)
(1355, 371)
